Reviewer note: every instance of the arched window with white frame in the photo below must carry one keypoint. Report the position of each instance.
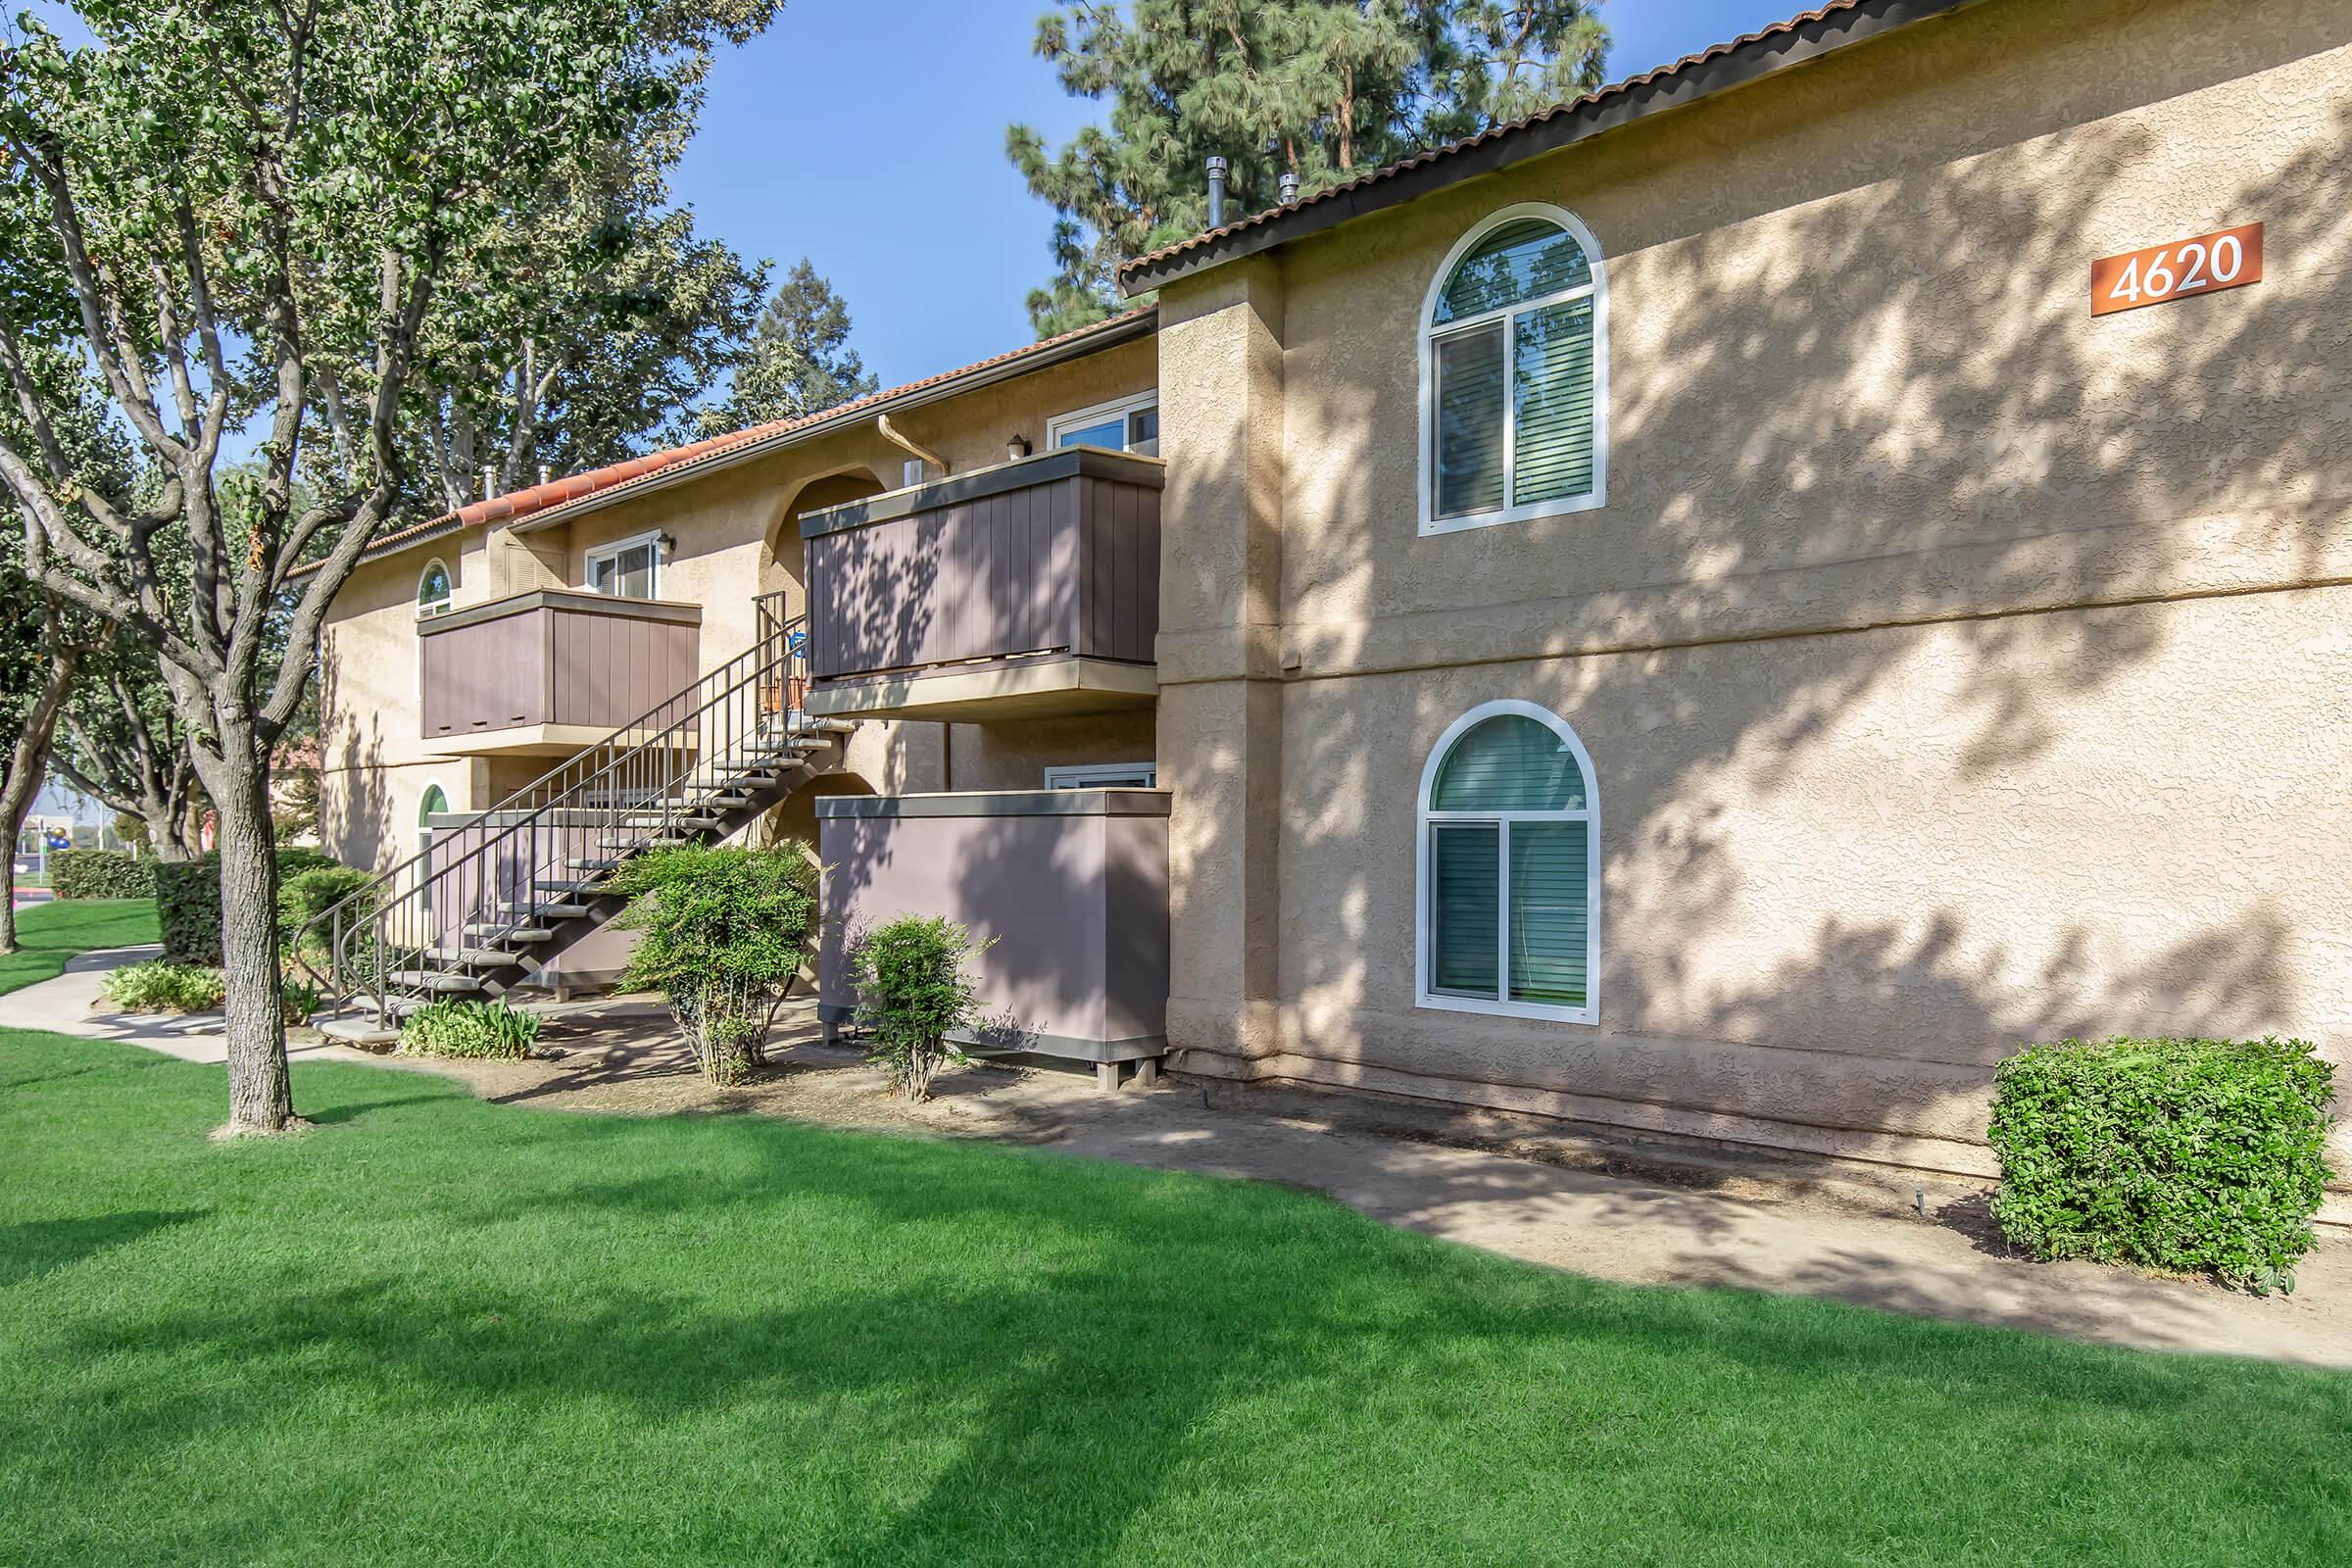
(432, 804)
(432, 590)
(1514, 374)
(1509, 869)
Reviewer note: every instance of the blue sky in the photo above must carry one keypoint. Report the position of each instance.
(879, 153)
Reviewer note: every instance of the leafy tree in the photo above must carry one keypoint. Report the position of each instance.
(234, 212)
(46, 642)
(124, 741)
(595, 326)
(799, 359)
(1323, 89)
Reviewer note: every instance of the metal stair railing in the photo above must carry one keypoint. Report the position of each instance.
(450, 918)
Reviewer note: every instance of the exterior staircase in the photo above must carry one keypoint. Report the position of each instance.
(484, 909)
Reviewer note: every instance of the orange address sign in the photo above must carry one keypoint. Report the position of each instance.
(2230, 259)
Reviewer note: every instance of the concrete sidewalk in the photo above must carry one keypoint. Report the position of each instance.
(623, 1058)
(65, 1005)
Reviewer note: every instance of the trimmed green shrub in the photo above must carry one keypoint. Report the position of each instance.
(187, 900)
(161, 985)
(469, 1029)
(723, 932)
(100, 874)
(2188, 1156)
(306, 894)
(915, 987)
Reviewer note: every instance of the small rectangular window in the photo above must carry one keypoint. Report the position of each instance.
(629, 569)
(1104, 776)
(1128, 424)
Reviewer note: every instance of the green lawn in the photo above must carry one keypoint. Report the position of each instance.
(440, 1330)
(48, 934)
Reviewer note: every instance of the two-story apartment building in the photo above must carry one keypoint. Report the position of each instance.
(1715, 612)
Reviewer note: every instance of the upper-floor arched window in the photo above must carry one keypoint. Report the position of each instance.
(1509, 918)
(1514, 374)
(432, 590)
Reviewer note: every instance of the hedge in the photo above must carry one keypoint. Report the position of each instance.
(2188, 1156)
(187, 899)
(100, 874)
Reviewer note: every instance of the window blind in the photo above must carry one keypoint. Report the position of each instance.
(1552, 385)
(1547, 907)
(1464, 860)
(1509, 764)
(1470, 421)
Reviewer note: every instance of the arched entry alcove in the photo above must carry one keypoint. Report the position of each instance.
(781, 563)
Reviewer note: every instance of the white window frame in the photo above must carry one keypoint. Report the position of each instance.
(1102, 775)
(1501, 1005)
(1431, 334)
(614, 547)
(424, 842)
(438, 607)
(1080, 418)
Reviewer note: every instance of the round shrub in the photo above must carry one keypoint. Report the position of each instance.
(914, 989)
(2188, 1156)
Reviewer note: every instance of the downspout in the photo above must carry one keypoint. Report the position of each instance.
(898, 438)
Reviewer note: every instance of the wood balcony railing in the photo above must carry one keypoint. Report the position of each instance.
(1031, 587)
(552, 669)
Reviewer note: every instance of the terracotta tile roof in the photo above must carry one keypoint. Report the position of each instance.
(1662, 76)
(556, 493)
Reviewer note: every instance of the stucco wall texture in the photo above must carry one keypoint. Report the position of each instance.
(1959, 669)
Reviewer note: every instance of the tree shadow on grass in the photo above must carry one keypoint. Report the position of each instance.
(30, 1249)
(1016, 1357)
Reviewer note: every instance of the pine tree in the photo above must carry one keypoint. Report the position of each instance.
(1324, 89)
(801, 361)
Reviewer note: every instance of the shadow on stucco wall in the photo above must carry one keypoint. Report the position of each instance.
(1814, 623)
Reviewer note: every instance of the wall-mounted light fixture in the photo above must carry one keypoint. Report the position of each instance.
(1016, 448)
(670, 546)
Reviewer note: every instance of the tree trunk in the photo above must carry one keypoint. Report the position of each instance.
(260, 1097)
(28, 764)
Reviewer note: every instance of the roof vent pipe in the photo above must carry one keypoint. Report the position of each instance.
(545, 472)
(489, 481)
(1290, 188)
(1216, 191)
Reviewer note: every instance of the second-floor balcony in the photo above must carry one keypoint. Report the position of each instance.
(546, 672)
(1025, 589)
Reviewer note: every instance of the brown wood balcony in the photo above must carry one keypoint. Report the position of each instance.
(550, 671)
(1028, 588)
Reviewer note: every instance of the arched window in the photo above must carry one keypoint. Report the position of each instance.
(432, 590)
(1514, 374)
(1509, 869)
(432, 804)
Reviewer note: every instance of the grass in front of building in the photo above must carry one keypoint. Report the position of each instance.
(442, 1331)
(48, 934)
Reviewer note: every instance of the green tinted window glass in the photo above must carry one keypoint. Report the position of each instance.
(1549, 891)
(1527, 258)
(1510, 763)
(1464, 862)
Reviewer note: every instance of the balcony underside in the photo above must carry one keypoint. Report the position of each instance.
(1037, 688)
(535, 739)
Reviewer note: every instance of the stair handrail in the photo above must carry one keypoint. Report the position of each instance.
(781, 645)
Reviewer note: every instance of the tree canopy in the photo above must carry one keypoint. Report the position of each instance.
(1323, 89)
(230, 214)
(801, 361)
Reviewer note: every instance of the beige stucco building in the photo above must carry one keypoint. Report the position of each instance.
(1676, 615)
